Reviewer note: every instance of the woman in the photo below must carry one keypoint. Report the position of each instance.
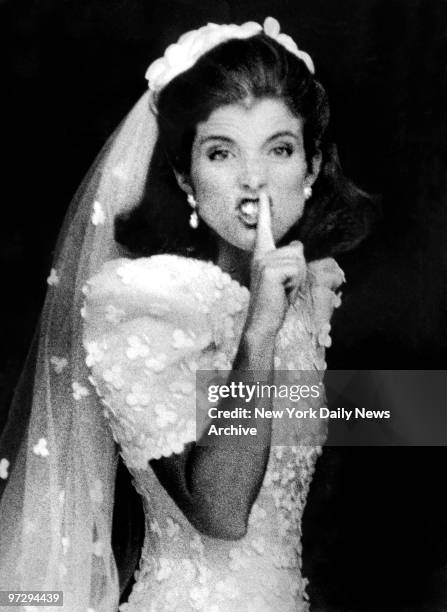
(243, 137)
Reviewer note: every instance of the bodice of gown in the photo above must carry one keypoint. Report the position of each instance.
(149, 325)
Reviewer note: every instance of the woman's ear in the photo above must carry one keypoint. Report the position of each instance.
(183, 182)
(314, 171)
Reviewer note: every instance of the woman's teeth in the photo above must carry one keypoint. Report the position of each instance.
(249, 211)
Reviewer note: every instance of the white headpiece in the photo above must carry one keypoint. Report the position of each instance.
(183, 54)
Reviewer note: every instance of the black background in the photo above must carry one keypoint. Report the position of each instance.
(375, 528)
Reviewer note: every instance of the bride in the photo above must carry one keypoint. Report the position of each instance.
(183, 252)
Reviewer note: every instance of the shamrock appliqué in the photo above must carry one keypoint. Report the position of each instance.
(53, 279)
(40, 448)
(58, 363)
(4, 465)
(79, 391)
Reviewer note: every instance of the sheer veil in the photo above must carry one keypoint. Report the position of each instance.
(57, 455)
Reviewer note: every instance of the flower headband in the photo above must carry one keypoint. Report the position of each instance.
(182, 55)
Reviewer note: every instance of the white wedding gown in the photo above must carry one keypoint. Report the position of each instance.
(149, 325)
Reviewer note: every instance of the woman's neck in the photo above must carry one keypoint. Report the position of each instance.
(234, 262)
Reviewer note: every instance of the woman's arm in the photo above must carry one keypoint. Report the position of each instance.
(215, 487)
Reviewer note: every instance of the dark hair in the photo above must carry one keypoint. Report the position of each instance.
(335, 219)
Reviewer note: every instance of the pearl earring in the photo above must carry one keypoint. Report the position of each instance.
(194, 217)
(307, 192)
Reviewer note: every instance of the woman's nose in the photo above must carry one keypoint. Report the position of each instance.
(252, 176)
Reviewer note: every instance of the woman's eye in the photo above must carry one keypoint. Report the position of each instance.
(219, 154)
(284, 150)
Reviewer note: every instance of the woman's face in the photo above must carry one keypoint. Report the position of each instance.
(237, 154)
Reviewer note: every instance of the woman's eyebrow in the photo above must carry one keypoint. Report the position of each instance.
(282, 134)
(205, 139)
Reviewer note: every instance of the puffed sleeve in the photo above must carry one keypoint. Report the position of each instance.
(147, 329)
(325, 277)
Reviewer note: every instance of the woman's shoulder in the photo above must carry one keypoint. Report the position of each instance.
(326, 273)
(160, 273)
(157, 271)
(161, 286)
(324, 277)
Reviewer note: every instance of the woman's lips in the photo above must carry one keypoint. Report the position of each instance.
(248, 210)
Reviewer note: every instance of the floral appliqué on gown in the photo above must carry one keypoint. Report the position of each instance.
(150, 323)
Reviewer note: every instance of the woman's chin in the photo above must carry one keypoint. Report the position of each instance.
(246, 245)
(239, 241)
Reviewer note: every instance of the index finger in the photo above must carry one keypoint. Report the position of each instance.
(264, 241)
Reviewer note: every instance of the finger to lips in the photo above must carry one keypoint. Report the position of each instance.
(264, 241)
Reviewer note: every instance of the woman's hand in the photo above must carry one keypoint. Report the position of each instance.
(275, 278)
